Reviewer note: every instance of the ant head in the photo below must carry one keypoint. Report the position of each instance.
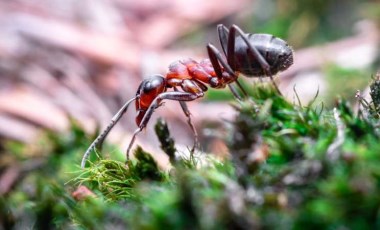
(154, 84)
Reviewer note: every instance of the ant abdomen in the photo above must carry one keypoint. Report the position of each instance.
(276, 52)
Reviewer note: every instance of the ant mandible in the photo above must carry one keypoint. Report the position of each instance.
(253, 55)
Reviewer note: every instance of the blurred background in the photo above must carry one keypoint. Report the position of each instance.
(79, 61)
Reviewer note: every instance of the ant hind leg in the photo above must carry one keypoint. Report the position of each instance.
(223, 37)
(264, 64)
(216, 58)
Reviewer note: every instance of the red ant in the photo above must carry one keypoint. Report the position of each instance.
(253, 55)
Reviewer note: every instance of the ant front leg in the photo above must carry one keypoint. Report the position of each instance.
(231, 52)
(98, 142)
(176, 96)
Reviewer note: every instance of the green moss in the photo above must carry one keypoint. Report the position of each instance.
(281, 174)
(167, 143)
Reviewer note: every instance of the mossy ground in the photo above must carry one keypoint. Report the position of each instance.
(291, 166)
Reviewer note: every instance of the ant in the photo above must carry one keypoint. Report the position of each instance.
(253, 55)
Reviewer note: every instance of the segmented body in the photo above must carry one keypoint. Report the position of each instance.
(189, 75)
(253, 55)
(193, 77)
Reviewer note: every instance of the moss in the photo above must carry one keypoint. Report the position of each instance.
(281, 175)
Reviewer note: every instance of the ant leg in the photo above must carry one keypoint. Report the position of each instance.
(231, 49)
(235, 92)
(137, 131)
(234, 28)
(176, 96)
(241, 88)
(264, 64)
(187, 113)
(215, 58)
(228, 39)
(98, 142)
(223, 37)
